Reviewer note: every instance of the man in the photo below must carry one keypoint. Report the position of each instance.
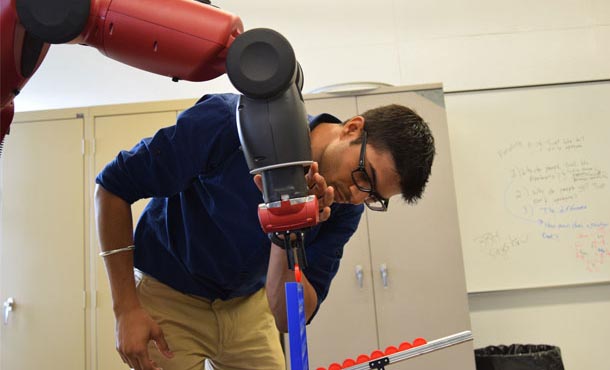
(209, 284)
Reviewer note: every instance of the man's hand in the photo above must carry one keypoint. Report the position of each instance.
(317, 186)
(134, 329)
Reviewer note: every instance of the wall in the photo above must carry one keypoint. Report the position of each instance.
(466, 44)
(571, 317)
(574, 318)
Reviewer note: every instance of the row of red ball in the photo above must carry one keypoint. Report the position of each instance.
(375, 355)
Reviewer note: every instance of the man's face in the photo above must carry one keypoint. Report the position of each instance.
(341, 158)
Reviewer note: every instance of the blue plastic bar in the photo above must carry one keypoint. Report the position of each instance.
(295, 307)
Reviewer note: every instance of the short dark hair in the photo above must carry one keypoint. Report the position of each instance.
(408, 138)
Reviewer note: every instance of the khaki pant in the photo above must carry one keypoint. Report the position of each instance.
(239, 333)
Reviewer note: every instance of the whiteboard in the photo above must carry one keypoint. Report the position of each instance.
(531, 167)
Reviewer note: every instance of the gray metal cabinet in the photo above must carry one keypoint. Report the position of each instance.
(42, 245)
(402, 274)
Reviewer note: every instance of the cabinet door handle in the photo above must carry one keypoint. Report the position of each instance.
(383, 269)
(8, 307)
(359, 275)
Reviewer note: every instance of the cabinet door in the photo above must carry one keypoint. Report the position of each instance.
(113, 134)
(419, 247)
(42, 246)
(345, 323)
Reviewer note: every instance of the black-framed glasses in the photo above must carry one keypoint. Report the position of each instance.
(364, 183)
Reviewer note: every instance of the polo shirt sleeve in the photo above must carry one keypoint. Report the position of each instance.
(326, 249)
(165, 164)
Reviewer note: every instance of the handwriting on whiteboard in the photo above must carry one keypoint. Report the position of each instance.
(496, 245)
(548, 145)
(592, 247)
(554, 184)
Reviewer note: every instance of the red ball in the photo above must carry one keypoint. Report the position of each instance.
(419, 342)
(404, 346)
(362, 358)
(348, 362)
(334, 366)
(376, 354)
(390, 350)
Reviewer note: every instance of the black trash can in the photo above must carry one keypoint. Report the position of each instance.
(519, 357)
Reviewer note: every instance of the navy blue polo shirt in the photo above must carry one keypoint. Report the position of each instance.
(200, 232)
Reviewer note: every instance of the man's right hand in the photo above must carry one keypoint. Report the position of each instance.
(317, 186)
(134, 330)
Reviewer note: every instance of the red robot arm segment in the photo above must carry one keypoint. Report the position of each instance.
(181, 39)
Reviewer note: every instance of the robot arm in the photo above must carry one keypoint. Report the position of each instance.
(181, 39)
(190, 40)
(274, 133)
